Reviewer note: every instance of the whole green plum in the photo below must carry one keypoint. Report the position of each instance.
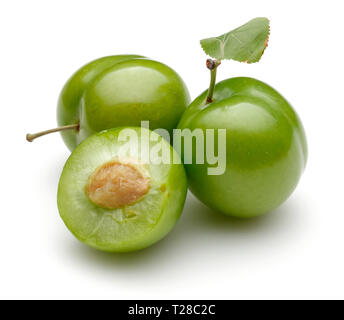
(116, 91)
(266, 149)
(119, 91)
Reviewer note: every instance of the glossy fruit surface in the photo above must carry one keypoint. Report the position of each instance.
(113, 200)
(266, 149)
(120, 90)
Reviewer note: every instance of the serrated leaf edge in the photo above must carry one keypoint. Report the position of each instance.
(266, 44)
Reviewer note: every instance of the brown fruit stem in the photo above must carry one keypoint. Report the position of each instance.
(30, 137)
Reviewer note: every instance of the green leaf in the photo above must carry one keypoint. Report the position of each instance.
(245, 44)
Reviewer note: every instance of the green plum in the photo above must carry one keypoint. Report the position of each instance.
(116, 91)
(114, 199)
(266, 149)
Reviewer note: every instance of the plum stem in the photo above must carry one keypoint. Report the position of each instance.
(212, 66)
(30, 137)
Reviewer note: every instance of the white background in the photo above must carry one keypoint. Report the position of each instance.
(294, 252)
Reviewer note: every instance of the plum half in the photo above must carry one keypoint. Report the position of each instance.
(113, 199)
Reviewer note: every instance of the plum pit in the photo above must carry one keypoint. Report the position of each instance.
(116, 184)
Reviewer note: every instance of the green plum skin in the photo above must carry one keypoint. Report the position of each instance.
(120, 90)
(266, 148)
(111, 230)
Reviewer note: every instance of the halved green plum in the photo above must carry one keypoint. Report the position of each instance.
(112, 198)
